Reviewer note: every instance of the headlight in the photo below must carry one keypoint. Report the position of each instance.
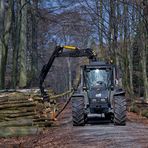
(103, 100)
(98, 95)
(94, 100)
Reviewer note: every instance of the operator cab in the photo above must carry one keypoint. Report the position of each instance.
(98, 75)
(98, 80)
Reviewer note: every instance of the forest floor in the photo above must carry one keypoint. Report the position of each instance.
(64, 135)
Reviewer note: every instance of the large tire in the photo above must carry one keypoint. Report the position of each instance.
(78, 111)
(119, 110)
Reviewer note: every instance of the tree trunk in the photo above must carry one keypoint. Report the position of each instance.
(34, 54)
(100, 19)
(15, 41)
(130, 54)
(1, 42)
(145, 79)
(69, 73)
(23, 45)
(130, 67)
(1, 35)
(5, 23)
(145, 52)
(112, 30)
(125, 54)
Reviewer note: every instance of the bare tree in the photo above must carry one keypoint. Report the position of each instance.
(23, 45)
(5, 26)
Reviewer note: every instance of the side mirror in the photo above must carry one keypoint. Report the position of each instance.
(116, 82)
(85, 88)
(112, 87)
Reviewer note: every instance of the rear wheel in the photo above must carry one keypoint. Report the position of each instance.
(78, 117)
(119, 110)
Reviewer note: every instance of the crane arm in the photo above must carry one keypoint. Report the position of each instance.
(59, 52)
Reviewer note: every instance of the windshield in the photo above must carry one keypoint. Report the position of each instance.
(95, 77)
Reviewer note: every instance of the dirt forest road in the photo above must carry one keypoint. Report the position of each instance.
(64, 135)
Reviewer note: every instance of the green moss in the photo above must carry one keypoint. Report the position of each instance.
(145, 113)
(134, 109)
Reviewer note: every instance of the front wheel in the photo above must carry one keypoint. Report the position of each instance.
(78, 116)
(119, 110)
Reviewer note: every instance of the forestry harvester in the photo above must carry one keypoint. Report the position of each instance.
(97, 95)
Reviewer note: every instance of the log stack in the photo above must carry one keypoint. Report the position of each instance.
(23, 113)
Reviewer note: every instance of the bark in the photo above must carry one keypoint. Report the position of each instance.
(111, 28)
(117, 27)
(4, 38)
(19, 131)
(15, 41)
(23, 45)
(99, 12)
(2, 14)
(130, 55)
(1, 35)
(125, 28)
(34, 54)
(130, 67)
(69, 73)
(145, 53)
(144, 72)
(17, 105)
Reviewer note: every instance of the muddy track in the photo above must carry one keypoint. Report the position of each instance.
(64, 135)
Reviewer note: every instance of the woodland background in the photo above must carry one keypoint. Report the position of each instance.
(30, 30)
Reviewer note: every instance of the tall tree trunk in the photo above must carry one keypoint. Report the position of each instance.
(34, 54)
(69, 74)
(101, 27)
(112, 30)
(144, 72)
(1, 41)
(23, 45)
(16, 24)
(130, 54)
(145, 50)
(4, 39)
(130, 67)
(125, 15)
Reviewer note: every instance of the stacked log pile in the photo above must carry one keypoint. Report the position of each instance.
(23, 113)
